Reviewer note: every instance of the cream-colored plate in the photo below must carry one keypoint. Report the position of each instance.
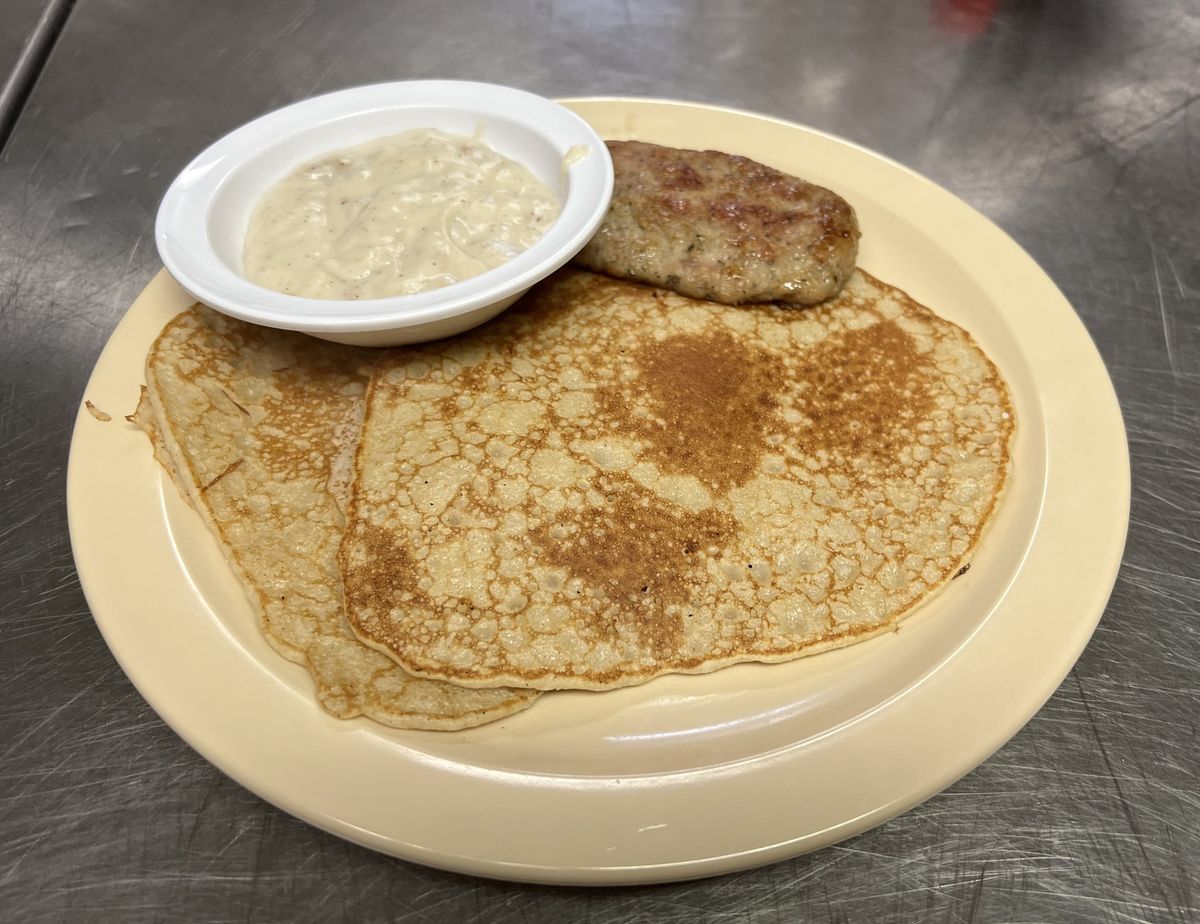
(685, 776)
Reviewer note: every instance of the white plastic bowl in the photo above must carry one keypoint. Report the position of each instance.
(202, 221)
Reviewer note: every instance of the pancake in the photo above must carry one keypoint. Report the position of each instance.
(257, 429)
(612, 482)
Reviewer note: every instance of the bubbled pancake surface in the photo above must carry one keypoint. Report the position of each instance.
(259, 427)
(611, 482)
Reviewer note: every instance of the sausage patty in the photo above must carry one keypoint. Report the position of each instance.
(722, 227)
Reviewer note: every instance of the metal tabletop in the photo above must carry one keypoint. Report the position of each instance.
(29, 27)
(1073, 125)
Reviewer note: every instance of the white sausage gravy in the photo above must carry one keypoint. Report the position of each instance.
(397, 215)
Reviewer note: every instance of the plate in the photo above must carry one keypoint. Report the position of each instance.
(684, 776)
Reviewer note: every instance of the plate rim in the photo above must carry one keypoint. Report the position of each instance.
(1105, 412)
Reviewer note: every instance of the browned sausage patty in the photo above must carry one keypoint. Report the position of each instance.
(722, 227)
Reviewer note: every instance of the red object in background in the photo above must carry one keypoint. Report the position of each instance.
(966, 17)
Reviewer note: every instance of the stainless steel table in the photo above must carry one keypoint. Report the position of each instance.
(1073, 125)
(28, 31)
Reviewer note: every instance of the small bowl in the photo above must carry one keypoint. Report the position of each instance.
(202, 221)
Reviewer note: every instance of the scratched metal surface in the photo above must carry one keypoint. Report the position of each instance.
(16, 26)
(17, 21)
(1071, 124)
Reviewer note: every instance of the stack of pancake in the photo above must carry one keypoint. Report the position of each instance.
(608, 483)
(257, 428)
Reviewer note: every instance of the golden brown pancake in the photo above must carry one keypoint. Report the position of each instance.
(612, 482)
(257, 428)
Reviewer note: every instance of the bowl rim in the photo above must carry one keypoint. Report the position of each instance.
(182, 226)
